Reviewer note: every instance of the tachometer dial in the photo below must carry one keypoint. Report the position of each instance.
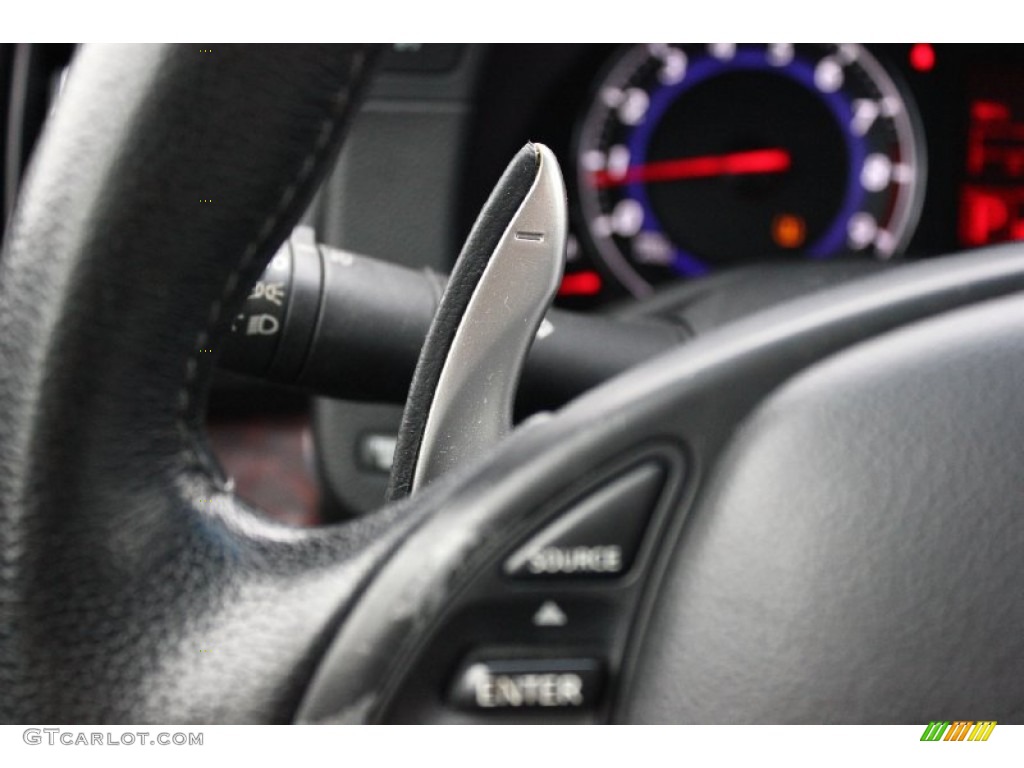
(696, 157)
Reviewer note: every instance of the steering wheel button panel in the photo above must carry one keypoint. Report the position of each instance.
(542, 632)
(597, 537)
(566, 683)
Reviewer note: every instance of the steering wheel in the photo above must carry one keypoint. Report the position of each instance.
(829, 493)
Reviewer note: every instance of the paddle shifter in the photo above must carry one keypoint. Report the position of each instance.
(462, 394)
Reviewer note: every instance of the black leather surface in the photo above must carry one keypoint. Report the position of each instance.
(857, 556)
(134, 586)
(494, 218)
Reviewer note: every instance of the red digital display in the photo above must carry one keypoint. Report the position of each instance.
(992, 195)
(586, 283)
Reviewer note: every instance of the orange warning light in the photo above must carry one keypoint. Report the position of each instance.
(788, 230)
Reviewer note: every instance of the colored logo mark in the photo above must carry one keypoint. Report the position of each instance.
(959, 730)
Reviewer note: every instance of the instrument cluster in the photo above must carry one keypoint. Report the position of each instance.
(687, 159)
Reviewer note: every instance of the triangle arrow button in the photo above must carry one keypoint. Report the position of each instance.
(550, 615)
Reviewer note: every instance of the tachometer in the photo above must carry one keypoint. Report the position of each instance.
(696, 157)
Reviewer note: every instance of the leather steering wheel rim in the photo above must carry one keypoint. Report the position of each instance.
(136, 588)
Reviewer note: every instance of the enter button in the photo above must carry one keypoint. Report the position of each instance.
(511, 684)
(597, 536)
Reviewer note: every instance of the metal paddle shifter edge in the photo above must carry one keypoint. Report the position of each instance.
(462, 394)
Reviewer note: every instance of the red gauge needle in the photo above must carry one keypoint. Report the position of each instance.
(773, 160)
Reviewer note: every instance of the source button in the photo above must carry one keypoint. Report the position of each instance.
(596, 537)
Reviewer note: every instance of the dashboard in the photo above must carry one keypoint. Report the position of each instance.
(687, 159)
